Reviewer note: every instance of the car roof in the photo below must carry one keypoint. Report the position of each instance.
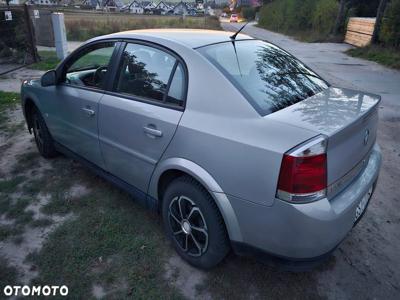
(192, 38)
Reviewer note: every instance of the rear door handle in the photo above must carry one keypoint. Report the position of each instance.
(152, 131)
(88, 111)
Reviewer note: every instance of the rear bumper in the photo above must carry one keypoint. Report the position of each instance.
(302, 232)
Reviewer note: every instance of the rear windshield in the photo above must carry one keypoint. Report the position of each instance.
(270, 78)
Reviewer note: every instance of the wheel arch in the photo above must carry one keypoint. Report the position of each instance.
(28, 106)
(172, 168)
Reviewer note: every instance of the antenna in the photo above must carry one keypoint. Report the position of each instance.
(233, 37)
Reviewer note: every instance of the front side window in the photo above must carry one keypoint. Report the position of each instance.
(90, 67)
(145, 72)
(270, 78)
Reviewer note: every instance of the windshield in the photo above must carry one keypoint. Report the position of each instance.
(270, 78)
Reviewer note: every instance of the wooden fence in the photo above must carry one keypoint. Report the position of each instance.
(359, 31)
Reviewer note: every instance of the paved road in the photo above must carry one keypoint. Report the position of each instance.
(367, 264)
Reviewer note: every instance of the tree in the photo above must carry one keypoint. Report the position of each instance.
(390, 28)
(340, 17)
(378, 22)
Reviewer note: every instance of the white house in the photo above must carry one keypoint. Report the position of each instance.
(149, 5)
(136, 8)
(112, 5)
(181, 9)
(12, 2)
(94, 4)
(43, 2)
(163, 7)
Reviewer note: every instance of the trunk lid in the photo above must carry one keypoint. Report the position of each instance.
(348, 118)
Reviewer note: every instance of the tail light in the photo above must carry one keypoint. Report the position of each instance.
(303, 174)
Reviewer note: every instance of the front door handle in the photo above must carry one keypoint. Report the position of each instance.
(88, 111)
(152, 131)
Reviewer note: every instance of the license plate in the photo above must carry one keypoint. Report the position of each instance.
(363, 204)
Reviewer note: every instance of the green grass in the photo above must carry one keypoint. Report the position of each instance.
(10, 185)
(42, 222)
(8, 275)
(111, 242)
(7, 231)
(8, 100)
(14, 211)
(49, 61)
(107, 240)
(386, 56)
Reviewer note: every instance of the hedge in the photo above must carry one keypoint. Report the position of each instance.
(390, 30)
(294, 16)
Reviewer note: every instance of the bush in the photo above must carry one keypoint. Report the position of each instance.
(390, 32)
(249, 13)
(384, 55)
(324, 16)
(313, 18)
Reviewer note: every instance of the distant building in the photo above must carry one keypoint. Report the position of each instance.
(135, 8)
(181, 9)
(40, 2)
(112, 5)
(220, 2)
(12, 2)
(94, 4)
(148, 5)
(162, 8)
(252, 3)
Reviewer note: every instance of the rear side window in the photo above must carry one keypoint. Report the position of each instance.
(270, 78)
(145, 72)
(177, 88)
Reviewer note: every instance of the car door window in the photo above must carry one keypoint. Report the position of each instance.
(177, 88)
(90, 67)
(145, 72)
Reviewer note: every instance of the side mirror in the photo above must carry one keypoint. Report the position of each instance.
(49, 78)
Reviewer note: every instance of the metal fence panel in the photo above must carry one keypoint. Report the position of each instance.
(17, 41)
(41, 19)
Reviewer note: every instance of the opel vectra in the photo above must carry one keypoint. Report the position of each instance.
(234, 141)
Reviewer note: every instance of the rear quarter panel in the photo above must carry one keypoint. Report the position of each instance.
(221, 132)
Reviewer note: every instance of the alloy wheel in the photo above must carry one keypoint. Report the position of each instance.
(37, 130)
(188, 226)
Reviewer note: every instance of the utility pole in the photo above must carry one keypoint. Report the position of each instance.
(378, 22)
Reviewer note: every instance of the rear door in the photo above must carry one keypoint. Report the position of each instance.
(139, 117)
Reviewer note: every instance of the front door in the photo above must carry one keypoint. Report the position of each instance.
(73, 107)
(139, 118)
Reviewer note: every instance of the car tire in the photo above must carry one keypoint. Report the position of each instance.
(43, 139)
(194, 224)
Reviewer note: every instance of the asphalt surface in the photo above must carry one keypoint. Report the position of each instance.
(367, 264)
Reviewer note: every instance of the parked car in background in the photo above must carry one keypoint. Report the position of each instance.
(233, 140)
(234, 18)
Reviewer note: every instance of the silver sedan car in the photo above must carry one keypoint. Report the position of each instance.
(234, 141)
